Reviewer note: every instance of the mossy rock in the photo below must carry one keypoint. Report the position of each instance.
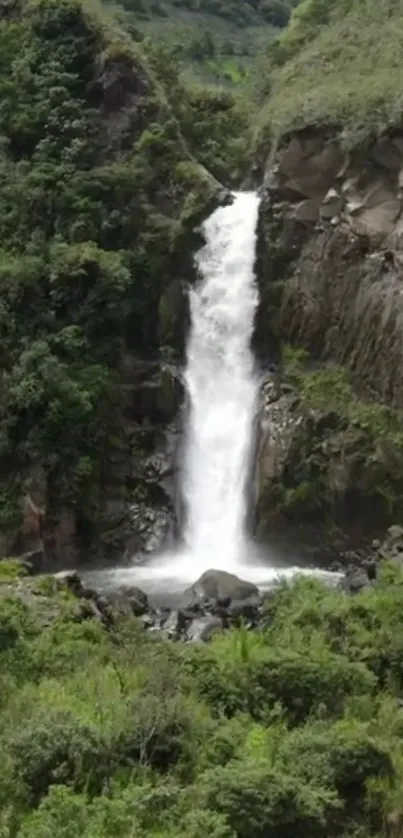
(342, 458)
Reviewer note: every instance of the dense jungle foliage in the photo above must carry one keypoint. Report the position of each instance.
(97, 192)
(294, 729)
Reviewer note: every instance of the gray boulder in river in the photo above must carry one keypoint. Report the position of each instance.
(218, 584)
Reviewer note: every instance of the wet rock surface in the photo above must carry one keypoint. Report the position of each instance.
(207, 607)
(221, 585)
(196, 621)
(137, 515)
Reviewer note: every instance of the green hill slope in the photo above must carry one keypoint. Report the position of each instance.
(215, 40)
(339, 63)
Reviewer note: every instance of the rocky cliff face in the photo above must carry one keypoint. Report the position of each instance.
(137, 504)
(332, 255)
(330, 266)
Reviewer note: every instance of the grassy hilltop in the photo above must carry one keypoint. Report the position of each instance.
(337, 64)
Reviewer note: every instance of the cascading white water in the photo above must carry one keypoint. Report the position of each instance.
(222, 388)
(222, 391)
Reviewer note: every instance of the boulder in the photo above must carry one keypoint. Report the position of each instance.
(308, 167)
(203, 628)
(128, 600)
(172, 624)
(217, 584)
(356, 580)
(332, 204)
(307, 211)
(137, 599)
(176, 623)
(391, 549)
(247, 609)
(69, 579)
(388, 153)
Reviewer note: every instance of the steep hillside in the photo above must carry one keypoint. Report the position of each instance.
(337, 64)
(98, 195)
(215, 40)
(331, 256)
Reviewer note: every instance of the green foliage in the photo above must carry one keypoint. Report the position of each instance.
(213, 121)
(257, 801)
(346, 447)
(263, 679)
(58, 750)
(294, 729)
(215, 41)
(86, 240)
(12, 569)
(321, 70)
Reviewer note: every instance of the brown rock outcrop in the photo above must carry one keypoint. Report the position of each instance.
(331, 256)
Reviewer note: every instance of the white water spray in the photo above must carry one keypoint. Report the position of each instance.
(222, 388)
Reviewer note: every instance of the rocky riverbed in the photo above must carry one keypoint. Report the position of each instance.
(215, 602)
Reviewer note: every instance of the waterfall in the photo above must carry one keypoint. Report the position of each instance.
(222, 393)
(222, 388)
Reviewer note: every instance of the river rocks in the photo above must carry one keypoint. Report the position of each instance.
(356, 579)
(199, 623)
(207, 612)
(244, 611)
(128, 600)
(204, 617)
(218, 584)
(203, 629)
(69, 579)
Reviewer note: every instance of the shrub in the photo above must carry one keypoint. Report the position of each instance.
(301, 683)
(59, 750)
(304, 685)
(258, 801)
(343, 758)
